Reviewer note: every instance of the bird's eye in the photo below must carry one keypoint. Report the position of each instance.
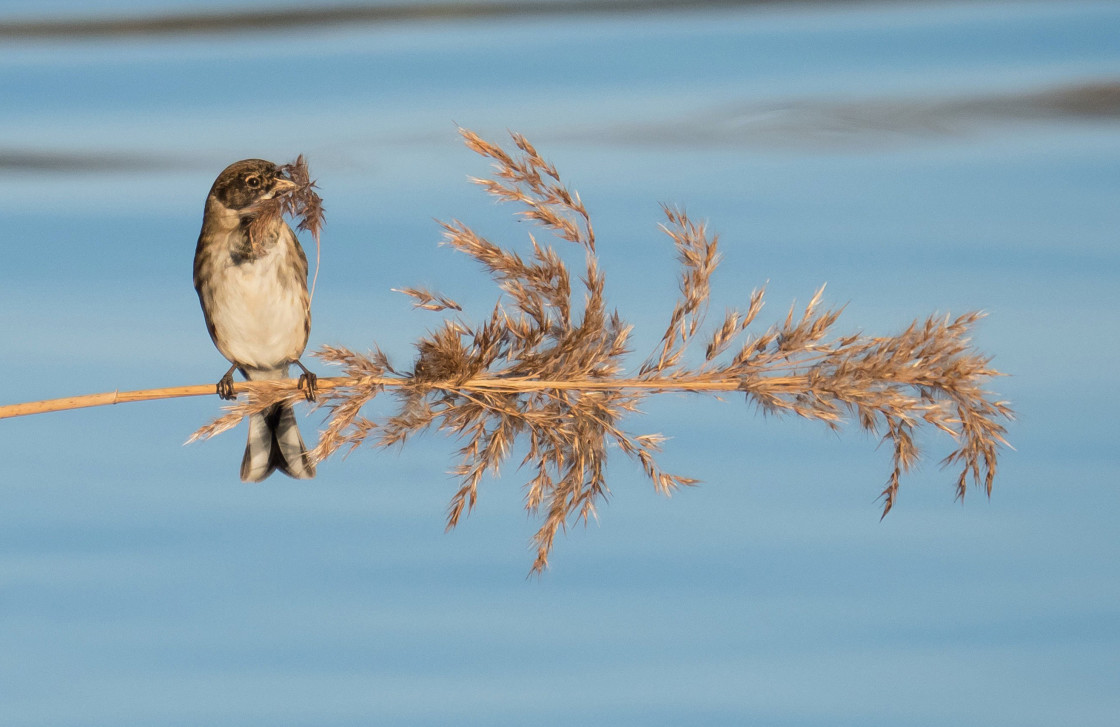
(253, 181)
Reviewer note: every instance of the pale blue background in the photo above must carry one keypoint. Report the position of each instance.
(869, 146)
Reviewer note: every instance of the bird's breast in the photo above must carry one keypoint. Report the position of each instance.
(257, 308)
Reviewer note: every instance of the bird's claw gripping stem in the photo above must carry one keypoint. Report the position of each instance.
(307, 383)
(225, 386)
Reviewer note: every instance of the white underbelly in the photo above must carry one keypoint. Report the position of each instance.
(259, 322)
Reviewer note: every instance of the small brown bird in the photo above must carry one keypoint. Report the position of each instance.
(253, 291)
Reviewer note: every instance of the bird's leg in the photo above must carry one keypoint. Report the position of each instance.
(225, 384)
(307, 382)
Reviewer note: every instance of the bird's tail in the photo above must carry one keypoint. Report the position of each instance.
(274, 440)
(275, 444)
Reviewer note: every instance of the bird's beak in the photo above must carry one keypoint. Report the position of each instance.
(282, 186)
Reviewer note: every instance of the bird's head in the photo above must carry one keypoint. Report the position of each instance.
(246, 183)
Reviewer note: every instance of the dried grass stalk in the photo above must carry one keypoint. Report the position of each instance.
(547, 368)
(301, 203)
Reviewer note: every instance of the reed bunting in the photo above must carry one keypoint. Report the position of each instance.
(252, 282)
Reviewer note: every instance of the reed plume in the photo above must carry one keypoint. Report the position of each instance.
(547, 368)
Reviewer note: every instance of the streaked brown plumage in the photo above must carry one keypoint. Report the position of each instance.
(254, 298)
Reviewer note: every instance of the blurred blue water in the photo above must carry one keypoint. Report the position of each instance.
(141, 583)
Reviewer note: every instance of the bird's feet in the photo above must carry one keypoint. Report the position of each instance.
(307, 383)
(225, 386)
